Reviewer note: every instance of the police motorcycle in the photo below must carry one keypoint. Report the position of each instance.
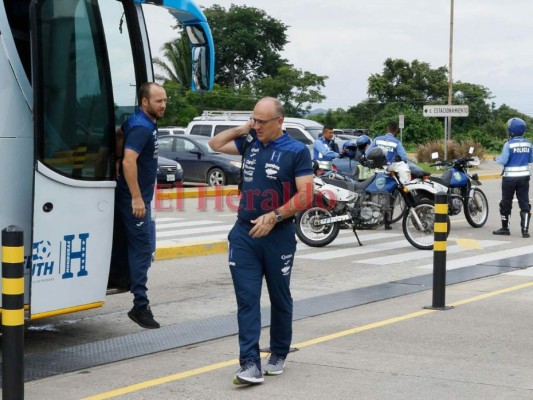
(339, 199)
(349, 163)
(461, 188)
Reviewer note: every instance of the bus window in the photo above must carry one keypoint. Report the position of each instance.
(121, 62)
(73, 135)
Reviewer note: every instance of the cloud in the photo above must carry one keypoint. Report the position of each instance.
(348, 40)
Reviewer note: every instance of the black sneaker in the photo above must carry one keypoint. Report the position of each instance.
(143, 317)
(502, 231)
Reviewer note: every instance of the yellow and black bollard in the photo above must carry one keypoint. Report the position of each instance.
(439, 252)
(78, 158)
(12, 313)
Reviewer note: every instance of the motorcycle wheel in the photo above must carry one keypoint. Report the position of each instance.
(310, 232)
(476, 209)
(398, 206)
(421, 239)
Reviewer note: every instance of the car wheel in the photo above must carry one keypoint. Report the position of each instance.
(216, 177)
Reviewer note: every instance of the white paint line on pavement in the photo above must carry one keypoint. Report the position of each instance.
(194, 231)
(421, 254)
(190, 223)
(481, 258)
(354, 251)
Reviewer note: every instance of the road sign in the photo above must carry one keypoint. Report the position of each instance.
(446, 111)
(401, 119)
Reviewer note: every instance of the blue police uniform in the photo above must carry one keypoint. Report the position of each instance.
(392, 146)
(324, 150)
(140, 135)
(269, 174)
(516, 155)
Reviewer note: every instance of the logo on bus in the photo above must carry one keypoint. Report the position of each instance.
(72, 253)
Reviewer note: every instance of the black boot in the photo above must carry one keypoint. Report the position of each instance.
(504, 230)
(387, 219)
(525, 217)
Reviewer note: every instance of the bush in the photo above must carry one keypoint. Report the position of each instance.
(454, 150)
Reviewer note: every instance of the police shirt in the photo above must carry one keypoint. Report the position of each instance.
(140, 135)
(391, 145)
(269, 174)
(516, 156)
(324, 149)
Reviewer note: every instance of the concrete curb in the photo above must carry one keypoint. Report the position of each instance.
(215, 246)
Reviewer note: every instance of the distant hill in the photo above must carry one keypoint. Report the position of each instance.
(318, 111)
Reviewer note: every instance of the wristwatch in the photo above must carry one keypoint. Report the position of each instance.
(278, 216)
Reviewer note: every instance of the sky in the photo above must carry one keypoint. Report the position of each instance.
(348, 40)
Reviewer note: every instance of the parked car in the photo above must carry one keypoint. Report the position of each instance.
(169, 172)
(200, 163)
(211, 123)
(171, 130)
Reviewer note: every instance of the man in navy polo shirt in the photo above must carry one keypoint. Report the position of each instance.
(277, 182)
(134, 193)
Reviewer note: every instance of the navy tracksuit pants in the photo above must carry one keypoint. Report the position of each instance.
(139, 238)
(250, 259)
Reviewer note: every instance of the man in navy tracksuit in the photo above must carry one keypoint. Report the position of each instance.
(516, 155)
(134, 193)
(277, 181)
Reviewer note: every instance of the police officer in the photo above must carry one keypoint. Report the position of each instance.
(277, 182)
(516, 155)
(388, 142)
(394, 151)
(325, 148)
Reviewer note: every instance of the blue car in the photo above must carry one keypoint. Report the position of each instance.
(200, 164)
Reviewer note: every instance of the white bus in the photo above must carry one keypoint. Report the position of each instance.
(69, 73)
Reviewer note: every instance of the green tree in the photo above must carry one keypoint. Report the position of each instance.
(177, 67)
(247, 44)
(418, 129)
(414, 83)
(297, 89)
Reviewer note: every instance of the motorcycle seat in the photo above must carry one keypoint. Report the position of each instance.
(351, 185)
(420, 173)
(439, 180)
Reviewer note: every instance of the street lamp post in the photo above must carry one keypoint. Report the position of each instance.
(450, 70)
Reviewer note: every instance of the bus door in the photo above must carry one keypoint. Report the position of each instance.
(73, 194)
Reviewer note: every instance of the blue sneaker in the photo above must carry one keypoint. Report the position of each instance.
(275, 365)
(248, 374)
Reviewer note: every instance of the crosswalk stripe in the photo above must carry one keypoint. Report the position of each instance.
(167, 219)
(421, 254)
(348, 240)
(354, 251)
(194, 231)
(481, 258)
(160, 227)
(192, 239)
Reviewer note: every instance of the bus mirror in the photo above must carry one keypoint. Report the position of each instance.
(200, 68)
(196, 35)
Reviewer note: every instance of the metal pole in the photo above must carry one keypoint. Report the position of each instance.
(12, 313)
(439, 252)
(450, 70)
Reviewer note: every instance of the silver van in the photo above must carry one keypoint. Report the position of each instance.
(211, 123)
